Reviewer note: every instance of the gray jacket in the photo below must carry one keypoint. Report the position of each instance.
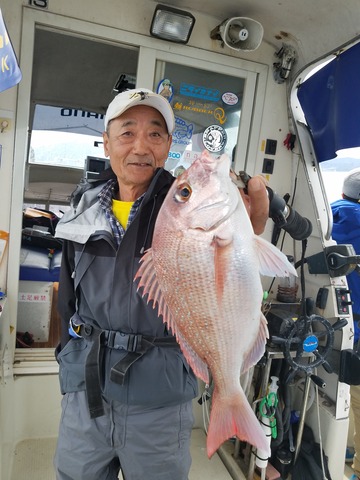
(97, 290)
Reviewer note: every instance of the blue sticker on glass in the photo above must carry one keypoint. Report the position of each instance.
(183, 132)
(197, 91)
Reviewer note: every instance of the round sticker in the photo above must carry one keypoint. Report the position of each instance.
(230, 98)
(214, 138)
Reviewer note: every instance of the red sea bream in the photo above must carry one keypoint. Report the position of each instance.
(203, 274)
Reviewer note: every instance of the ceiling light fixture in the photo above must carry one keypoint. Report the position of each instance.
(172, 24)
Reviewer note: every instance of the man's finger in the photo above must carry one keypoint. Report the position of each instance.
(259, 203)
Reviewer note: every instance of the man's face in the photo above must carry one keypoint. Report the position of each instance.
(137, 143)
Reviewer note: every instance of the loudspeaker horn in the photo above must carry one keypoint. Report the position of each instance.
(239, 33)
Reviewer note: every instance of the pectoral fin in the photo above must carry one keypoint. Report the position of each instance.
(273, 263)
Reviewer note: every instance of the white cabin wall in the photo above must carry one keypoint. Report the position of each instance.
(7, 411)
(275, 126)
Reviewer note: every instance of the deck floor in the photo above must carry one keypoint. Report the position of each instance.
(33, 460)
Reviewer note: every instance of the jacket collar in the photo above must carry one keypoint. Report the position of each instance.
(85, 217)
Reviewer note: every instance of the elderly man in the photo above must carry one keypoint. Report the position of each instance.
(127, 388)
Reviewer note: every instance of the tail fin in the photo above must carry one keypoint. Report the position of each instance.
(234, 416)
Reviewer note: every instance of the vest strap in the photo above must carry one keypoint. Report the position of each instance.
(136, 346)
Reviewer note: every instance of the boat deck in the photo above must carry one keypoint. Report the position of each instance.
(33, 461)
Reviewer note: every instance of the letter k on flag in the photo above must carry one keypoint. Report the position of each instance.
(10, 73)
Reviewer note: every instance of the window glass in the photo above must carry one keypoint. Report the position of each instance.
(207, 107)
(334, 171)
(65, 137)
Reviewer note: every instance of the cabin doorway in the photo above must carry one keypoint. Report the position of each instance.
(73, 79)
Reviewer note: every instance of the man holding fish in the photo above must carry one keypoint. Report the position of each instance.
(127, 366)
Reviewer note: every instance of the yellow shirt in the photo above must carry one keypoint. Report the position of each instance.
(121, 210)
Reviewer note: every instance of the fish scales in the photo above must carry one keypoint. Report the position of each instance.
(203, 274)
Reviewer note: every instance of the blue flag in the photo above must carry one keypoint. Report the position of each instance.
(10, 73)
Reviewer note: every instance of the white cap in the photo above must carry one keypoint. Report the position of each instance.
(351, 186)
(140, 96)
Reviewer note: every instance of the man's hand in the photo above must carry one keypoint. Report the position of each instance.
(257, 203)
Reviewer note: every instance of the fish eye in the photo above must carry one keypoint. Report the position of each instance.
(183, 193)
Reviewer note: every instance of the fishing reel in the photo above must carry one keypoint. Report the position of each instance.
(283, 216)
(306, 343)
